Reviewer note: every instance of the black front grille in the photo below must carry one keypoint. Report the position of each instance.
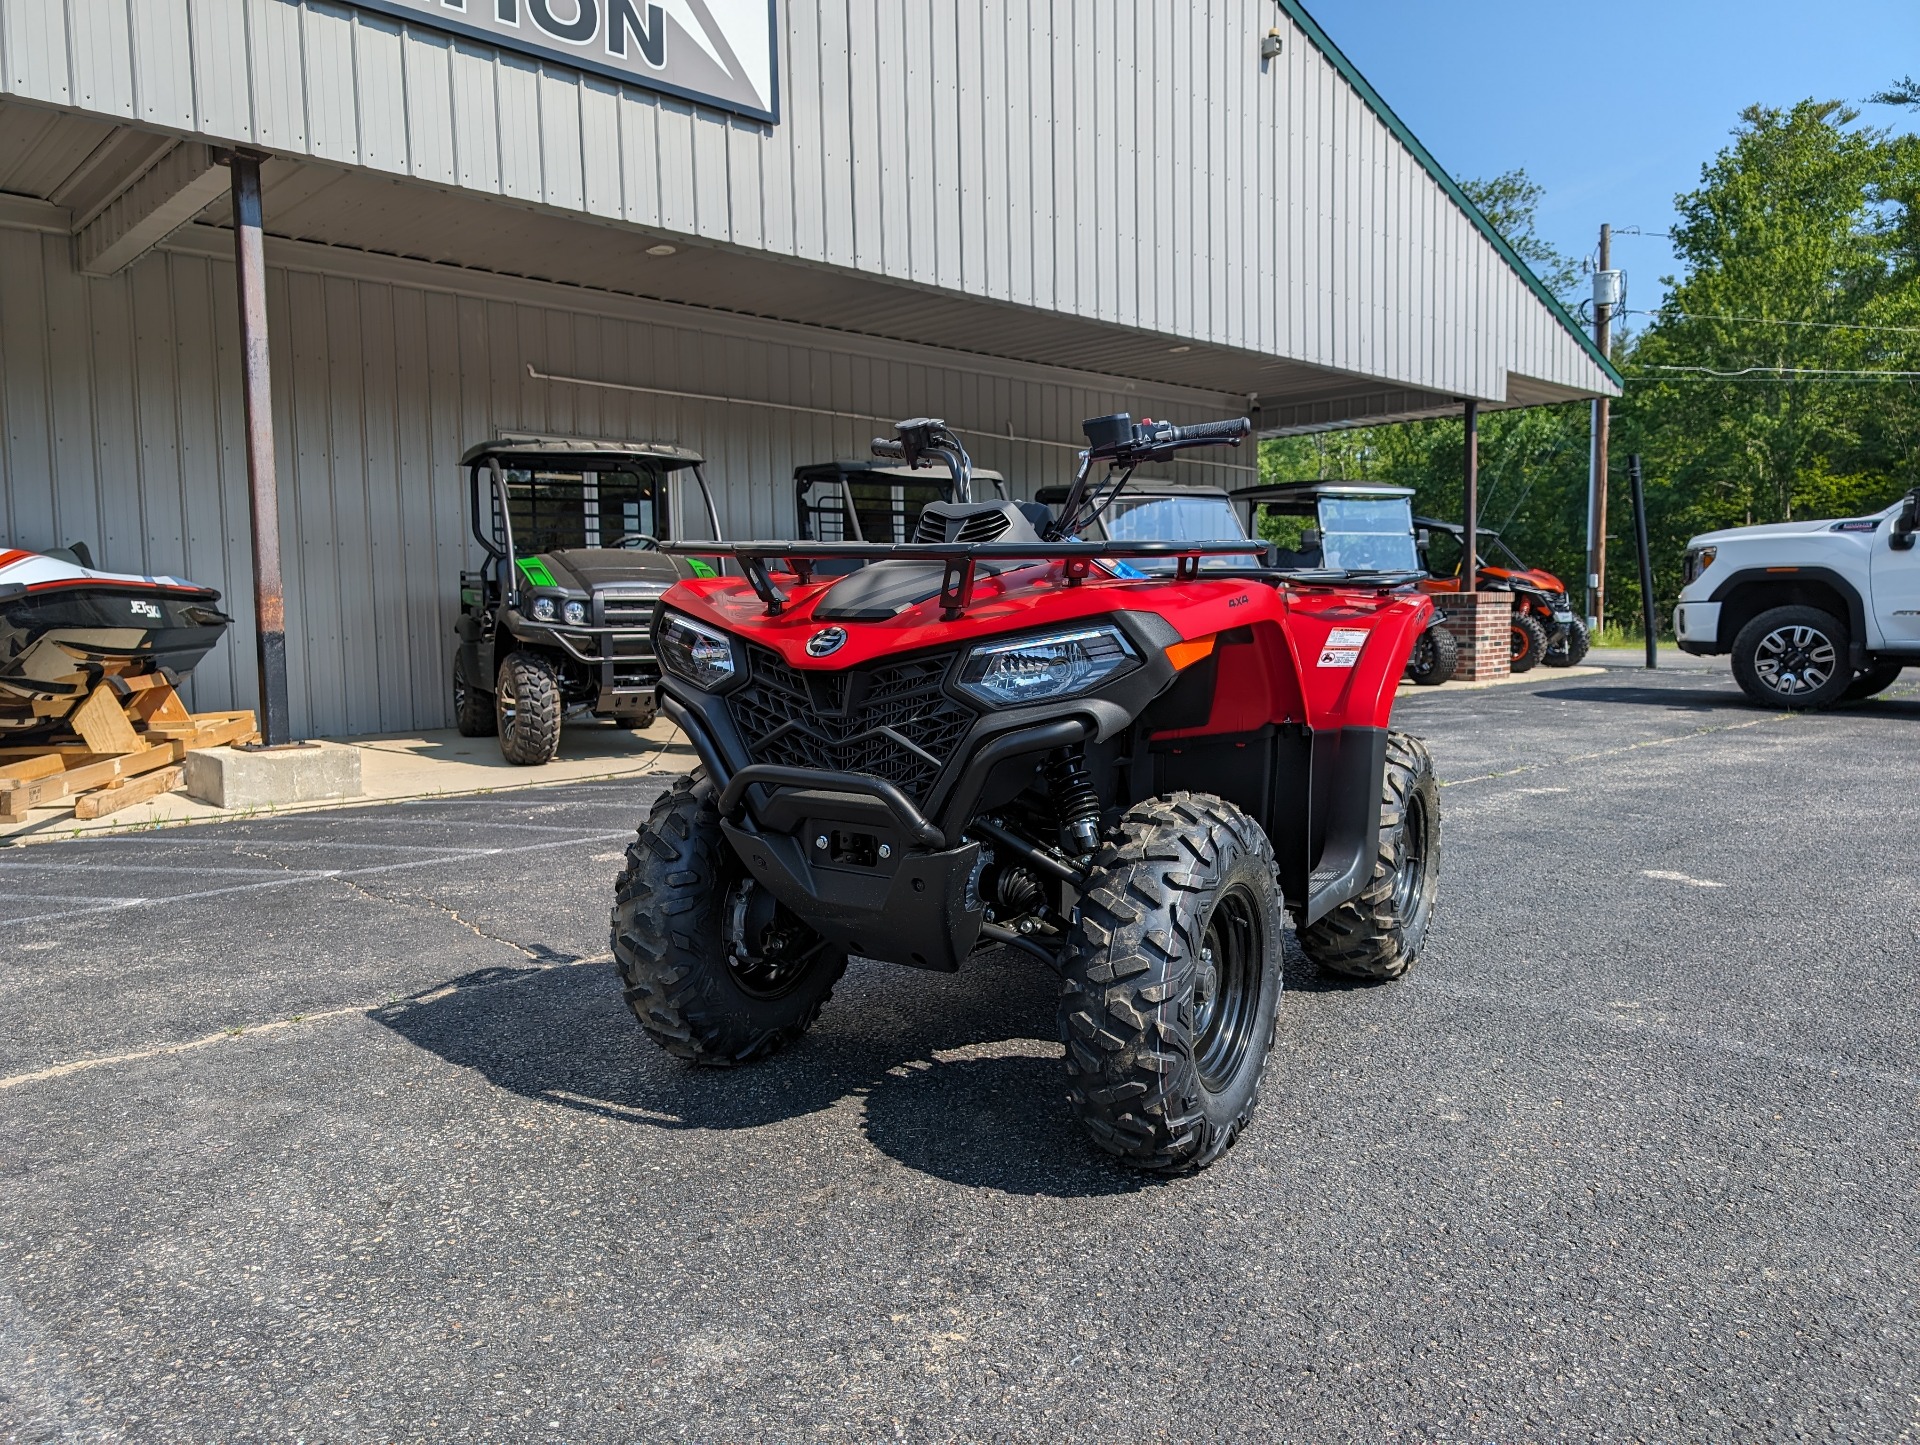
(891, 721)
(635, 612)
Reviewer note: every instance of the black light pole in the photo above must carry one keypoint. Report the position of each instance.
(1646, 558)
(256, 389)
(1470, 564)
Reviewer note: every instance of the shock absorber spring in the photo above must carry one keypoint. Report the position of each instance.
(1074, 799)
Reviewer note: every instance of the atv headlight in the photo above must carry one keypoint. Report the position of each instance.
(575, 613)
(1034, 669)
(702, 655)
(544, 609)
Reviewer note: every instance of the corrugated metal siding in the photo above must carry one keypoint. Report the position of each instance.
(121, 420)
(1112, 159)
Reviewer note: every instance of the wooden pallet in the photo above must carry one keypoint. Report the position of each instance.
(128, 738)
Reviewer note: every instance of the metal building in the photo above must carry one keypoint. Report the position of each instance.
(757, 228)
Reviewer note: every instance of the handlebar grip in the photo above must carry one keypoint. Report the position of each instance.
(886, 447)
(1233, 432)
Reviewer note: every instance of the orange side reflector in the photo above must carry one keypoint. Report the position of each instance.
(1185, 654)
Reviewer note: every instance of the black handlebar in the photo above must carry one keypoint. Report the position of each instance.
(1125, 442)
(1211, 433)
(885, 447)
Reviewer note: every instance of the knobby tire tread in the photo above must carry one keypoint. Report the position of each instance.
(1365, 937)
(667, 939)
(1132, 1079)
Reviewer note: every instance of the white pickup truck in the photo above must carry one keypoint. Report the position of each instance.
(1813, 613)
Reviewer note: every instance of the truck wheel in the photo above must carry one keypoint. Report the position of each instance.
(715, 969)
(527, 700)
(1529, 641)
(1378, 934)
(1793, 657)
(1172, 983)
(1570, 649)
(1435, 657)
(473, 712)
(1875, 680)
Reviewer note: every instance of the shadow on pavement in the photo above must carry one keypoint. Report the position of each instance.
(1693, 699)
(996, 1117)
(1722, 699)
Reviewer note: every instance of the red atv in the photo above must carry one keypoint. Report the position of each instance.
(1545, 628)
(998, 735)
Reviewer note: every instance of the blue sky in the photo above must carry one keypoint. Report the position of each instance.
(1489, 85)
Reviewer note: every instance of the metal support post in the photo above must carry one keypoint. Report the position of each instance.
(1597, 465)
(1470, 562)
(269, 603)
(1647, 613)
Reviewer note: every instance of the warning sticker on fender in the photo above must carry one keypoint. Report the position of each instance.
(1339, 656)
(1347, 637)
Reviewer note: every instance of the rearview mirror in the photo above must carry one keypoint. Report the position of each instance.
(1905, 524)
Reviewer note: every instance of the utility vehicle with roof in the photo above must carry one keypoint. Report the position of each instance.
(1545, 628)
(1813, 613)
(558, 617)
(1005, 735)
(870, 501)
(1314, 525)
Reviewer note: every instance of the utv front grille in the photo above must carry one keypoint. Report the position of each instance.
(634, 612)
(891, 721)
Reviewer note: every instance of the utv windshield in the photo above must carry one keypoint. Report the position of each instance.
(1367, 534)
(883, 509)
(1177, 519)
(553, 510)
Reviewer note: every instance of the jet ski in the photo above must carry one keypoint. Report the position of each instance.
(65, 626)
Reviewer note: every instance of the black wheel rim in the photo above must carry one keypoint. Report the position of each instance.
(1794, 661)
(1226, 990)
(1410, 858)
(769, 950)
(509, 700)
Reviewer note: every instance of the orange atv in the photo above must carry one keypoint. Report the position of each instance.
(1545, 628)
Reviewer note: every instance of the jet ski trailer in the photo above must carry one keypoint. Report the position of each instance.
(66, 627)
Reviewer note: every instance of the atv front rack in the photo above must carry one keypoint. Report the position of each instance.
(960, 560)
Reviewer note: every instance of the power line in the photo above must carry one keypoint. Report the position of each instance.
(1774, 371)
(1777, 321)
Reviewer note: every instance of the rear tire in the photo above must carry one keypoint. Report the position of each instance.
(1569, 651)
(1793, 658)
(687, 921)
(1378, 935)
(1529, 642)
(527, 705)
(473, 713)
(1172, 983)
(1435, 657)
(1875, 680)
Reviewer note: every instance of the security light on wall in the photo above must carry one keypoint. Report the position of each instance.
(1270, 45)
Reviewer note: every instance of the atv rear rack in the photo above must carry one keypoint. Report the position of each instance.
(959, 559)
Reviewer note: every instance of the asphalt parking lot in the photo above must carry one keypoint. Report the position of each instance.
(335, 1128)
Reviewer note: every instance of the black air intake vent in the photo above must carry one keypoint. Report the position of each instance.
(982, 527)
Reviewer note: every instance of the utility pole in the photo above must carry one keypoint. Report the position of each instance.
(1606, 291)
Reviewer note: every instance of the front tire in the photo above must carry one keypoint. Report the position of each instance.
(1378, 935)
(715, 970)
(1435, 657)
(1569, 651)
(1529, 641)
(1172, 983)
(1793, 658)
(527, 706)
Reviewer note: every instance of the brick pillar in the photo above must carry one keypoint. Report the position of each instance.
(1482, 623)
